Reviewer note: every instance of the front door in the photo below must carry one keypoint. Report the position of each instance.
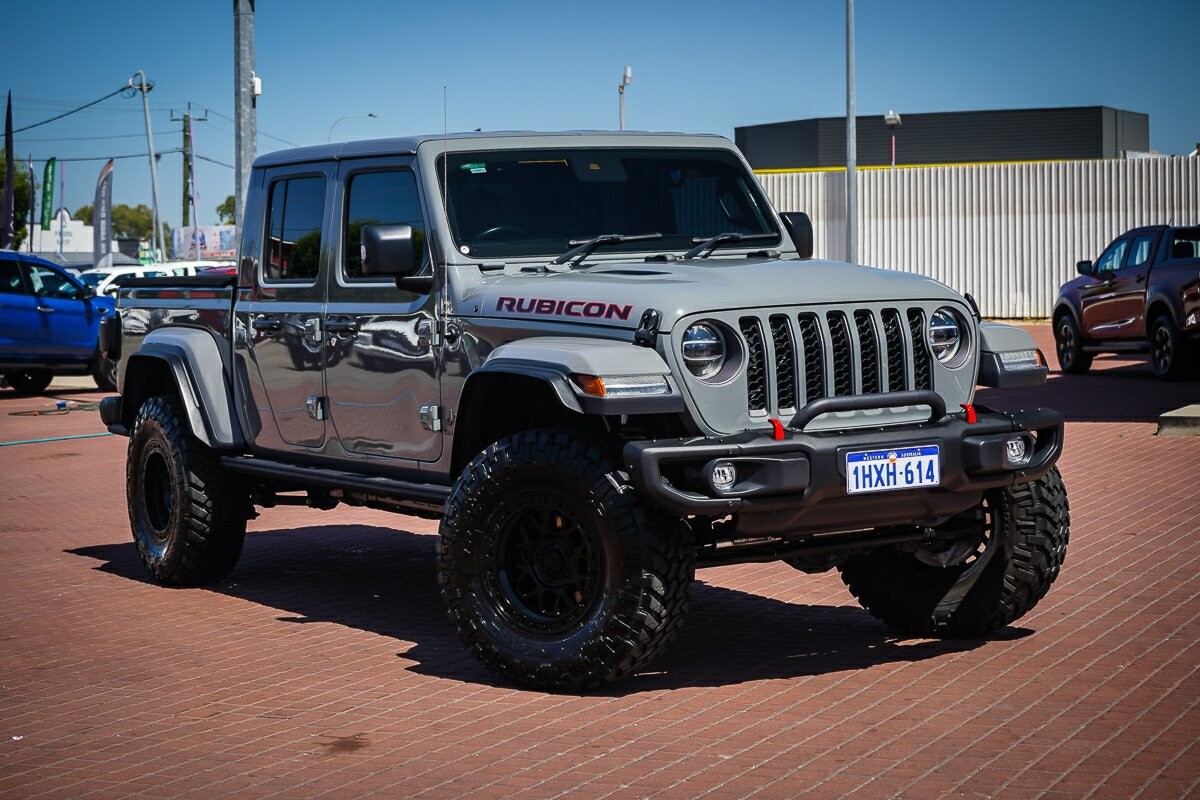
(381, 365)
(1097, 300)
(69, 325)
(284, 322)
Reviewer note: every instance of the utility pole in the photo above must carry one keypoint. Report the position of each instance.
(156, 233)
(189, 169)
(851, 144)
(246, 87)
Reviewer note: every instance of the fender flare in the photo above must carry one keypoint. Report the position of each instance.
(553, 360)
(1159, 297)
(194, 362)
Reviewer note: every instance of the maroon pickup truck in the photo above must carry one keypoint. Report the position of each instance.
(1141, 295)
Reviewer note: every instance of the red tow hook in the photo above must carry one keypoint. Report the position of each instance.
(970, 409)
(777, 429)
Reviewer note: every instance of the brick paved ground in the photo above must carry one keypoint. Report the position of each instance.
(325, 666)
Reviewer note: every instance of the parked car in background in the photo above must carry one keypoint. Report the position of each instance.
(1141, 295)
(106, 281)
(49, 325)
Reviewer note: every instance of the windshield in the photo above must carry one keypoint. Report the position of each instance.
(91, 280)
(514, 203)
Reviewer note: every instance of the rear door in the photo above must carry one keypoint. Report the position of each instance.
(381, 366)
(20, 321)
(285, 337)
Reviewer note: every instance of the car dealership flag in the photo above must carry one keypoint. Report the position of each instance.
(47, 195)
(32, 205)
(102, 219)
(10, 176)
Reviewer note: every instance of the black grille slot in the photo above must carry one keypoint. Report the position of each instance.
(922, 369)
(868, 343)
(756, 370)
(893, 335)
(814, 357)
(843, 358)
(785, 361)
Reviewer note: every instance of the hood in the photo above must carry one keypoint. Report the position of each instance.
(616, 293)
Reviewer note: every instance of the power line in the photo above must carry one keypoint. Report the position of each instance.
(211, 160)
(106, 158)
(74, 110)
(261, 132)
(90, 138)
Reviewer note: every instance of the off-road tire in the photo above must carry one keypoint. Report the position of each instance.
(29, 381)
(1068, 345)
(1168, 350)
(104, 373)
(526, 506)
(1029, 523)
(187, 514)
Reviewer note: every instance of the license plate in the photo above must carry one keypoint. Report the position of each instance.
(891, 470)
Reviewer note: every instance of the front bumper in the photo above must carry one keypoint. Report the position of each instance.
(798, 484)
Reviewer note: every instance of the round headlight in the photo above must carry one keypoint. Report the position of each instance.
(703, 350)
(945, 335)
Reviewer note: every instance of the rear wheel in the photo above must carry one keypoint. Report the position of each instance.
(553, 571)
(1069, 345)
(29, 381)
(104, 373)
(1167, 349)
(999, 563)
(188, 515)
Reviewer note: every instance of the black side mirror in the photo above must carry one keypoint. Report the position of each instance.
(1084, 268)
(388, 250)
(799, 227)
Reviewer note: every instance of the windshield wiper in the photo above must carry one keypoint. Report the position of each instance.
(581, 249)
(706, 246)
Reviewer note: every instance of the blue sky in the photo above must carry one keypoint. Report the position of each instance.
(701, 66)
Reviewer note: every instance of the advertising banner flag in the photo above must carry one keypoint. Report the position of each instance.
(102, 219)
(48, 195)
(32, 204)
(7, 206)
(207, 243)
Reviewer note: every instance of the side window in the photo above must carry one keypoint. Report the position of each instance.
(380, 198)
(10, 278)
(1185, 243)
(1139, 251)
(1113, 257)
(295, 210)
(49, 283)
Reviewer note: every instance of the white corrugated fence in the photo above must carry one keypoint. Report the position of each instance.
(1009, 234)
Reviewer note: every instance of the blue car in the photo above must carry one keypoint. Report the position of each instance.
(49, 325)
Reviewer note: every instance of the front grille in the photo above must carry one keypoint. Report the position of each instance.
(810, 356)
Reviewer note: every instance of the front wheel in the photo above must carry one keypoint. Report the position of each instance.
(1068, 343)
(553, 571)
(998, 564)
(188, 515)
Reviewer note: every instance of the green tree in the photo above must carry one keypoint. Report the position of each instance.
(226, 211)
(132, 223)
(20, 201)
(84, 214)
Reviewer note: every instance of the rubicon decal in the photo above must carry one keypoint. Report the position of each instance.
(592, 309)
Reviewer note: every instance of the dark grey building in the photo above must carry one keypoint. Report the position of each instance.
(955, 137)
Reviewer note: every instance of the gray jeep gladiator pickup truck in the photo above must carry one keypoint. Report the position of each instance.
(602, 360)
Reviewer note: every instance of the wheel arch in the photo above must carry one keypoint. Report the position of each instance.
(188, 365)
(1157, 305)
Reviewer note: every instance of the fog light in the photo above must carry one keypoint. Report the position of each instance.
(724, 476)
(1015, 451)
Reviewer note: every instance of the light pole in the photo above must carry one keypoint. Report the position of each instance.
(369, 115)
(626, 79)
(851, 144)
(155, 235)
(893, 121)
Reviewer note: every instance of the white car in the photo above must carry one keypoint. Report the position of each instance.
(108, 281)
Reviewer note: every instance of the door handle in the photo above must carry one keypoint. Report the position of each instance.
(46, 309)
(266, 324)
(341, 325)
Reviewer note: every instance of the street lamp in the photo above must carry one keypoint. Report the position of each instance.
(626, 79)
(892, 119)
(369, 115)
